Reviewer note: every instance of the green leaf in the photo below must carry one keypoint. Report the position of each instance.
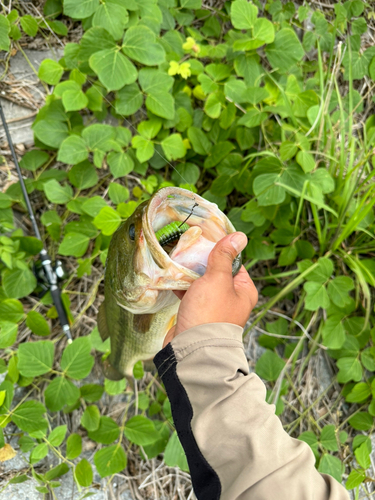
(18, 283)
(367, 357)
(328, 438)
(154, 81)
(4, 30)
(144, 148)
(140, 45)
(264, 31)
(93, 206)
(338, 290)
(76, 360)
(29, 417)
(161, 104)
(50, 71)
(91, 418)
(359, 393)
(73, 446)
(11, 310)
(306, 161)
(138, 371)
(83, 175)
(56, 193)
(99, 137)
(74, 100)
(285, 51)
(310, 438)
(83, 473)
(37, 324)
(355, 478)
(73, 150)
(81, 9)
(74, 244)
(51, 132)
(34, 159)
(333, 332)
(8, 333)
(107, 432)
(57, 471)
(129, 99)
(108, 220)
(321, 273)
(114, 70)
(199, 141)
(113, 387)
(118, 194)
(362, 455)
(140, 430)
(316, 296)
(38, 453)
(174, 454)
(35, 358)
(120, 164)
(361, 421)
(269, 366)
(266, 191)
(94, 40)
(252, 118)
(331, 465)
(173, 147)
(113, 17)
(212, 106)
(287, 150)
(243, 14)
(219, 151)
(350, 369)
(110, 460)
(91, 392)
(29, 25)
(57, 436)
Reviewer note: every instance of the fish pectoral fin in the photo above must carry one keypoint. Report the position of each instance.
(102, 323)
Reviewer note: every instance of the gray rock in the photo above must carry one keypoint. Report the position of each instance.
(24, 87)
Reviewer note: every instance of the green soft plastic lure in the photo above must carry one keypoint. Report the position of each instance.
(171, 232)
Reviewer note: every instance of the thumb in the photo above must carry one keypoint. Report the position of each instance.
(221, 257)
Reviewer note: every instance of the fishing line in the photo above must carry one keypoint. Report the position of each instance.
(112, 106)
(191, 213)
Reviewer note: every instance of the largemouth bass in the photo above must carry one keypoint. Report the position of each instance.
(139, 306)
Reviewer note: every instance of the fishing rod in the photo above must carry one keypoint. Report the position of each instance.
(50, 274)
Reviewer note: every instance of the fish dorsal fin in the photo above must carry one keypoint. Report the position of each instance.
(102, 323)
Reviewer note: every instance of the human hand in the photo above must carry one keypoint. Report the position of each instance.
(217, 297)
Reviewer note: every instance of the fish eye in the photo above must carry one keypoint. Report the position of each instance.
(132, 232)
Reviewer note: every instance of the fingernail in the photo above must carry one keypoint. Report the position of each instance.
(239, 241)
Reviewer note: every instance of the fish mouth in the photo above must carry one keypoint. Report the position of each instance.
(172, 204)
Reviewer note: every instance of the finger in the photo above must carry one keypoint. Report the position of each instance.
(242, 277)
(221, 257)
(170, 335)
(180, 293)
(244, 285)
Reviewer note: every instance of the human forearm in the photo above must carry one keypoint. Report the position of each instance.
(235, 444)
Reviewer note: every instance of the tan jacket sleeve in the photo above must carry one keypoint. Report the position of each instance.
(235, 444)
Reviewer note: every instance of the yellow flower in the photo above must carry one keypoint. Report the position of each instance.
(189, 44)
(184, 70)
(173, 68)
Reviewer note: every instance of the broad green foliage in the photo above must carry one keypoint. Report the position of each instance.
(245, 106)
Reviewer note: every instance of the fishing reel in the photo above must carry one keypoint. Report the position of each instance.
(39, 271)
